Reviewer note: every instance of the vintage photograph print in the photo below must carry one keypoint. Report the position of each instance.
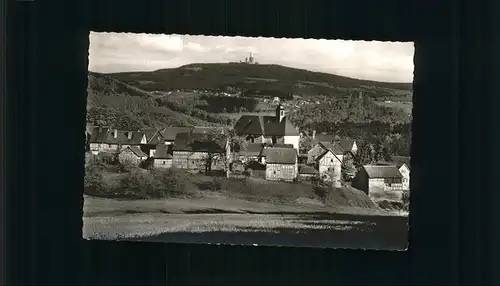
(248, 141)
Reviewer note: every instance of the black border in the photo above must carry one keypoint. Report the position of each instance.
(47, 60)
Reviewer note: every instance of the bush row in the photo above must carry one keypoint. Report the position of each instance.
(137, 183)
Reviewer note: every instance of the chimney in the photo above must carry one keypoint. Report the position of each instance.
(115, 133)
(314, 134)
(129, 135)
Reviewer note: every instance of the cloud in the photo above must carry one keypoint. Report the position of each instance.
(382, 61)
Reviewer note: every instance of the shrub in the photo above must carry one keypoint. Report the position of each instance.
(127, 167)
(170, 180)
(139, 184)
(94, 181)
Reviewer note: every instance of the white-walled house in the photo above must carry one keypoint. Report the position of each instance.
(405, 172)
(330, 164)
(281, 164)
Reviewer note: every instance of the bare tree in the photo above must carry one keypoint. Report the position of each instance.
(218, 143)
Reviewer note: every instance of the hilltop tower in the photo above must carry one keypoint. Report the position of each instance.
(280, 113)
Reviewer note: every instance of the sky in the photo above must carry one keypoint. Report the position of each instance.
(126, 52)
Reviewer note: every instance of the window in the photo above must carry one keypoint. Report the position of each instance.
(274, 172)
(163, 162)
(331, 160)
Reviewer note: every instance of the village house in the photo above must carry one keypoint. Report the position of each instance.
(169, 133)
(321, 137)
(192, 152)
(320, 148)
(266, 147)
(248, 152)
(403, 164)
(405, 172)
(154, 137)
(163, 156)
(380, 182)
(268, 129)
(113, 140)
(330, 165)
(281, 164)
(132, 155)
(348, 145)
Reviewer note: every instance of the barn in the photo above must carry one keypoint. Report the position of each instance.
(380, 182)
(281, 164)
(193, 152)
(132, 155)
(163, 156)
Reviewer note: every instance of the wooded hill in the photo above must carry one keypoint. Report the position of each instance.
(257, 79)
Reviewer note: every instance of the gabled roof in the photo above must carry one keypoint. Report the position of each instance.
(380, 171)
(196, 142)
(326, 152)
(98, 134)
(265, 125)
(163, 151)
(136, 150)
(346, 144)
(154, 136)
(106, 136)
(269, 146)
(399, 160)
(305, 169)
(334, 147)
(323, 137)
(169, 133)
(251, 149)
(281, 156)
(206, 130)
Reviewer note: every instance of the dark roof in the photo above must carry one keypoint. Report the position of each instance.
(136, 150)
(399, 160)
(106, 136)
(265, 125)
(254, 165)
(205, 130)
(163, 151)
(334, 147)
(196, 142)
(268, 146)
(251, 149)
(154, 136)
(281, 156)
(346, 144)
(305, 169)
(98, 134)
(169, 133)
(379, 171)
(322, 137)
